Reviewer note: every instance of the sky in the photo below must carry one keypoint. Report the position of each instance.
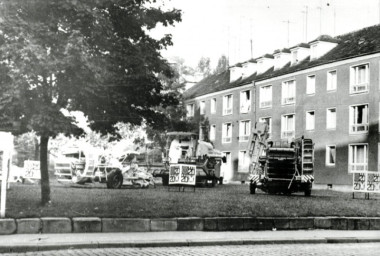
(211, 28)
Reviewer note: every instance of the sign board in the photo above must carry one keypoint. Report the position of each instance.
(32, 170)
(182, 174)
(367, 182)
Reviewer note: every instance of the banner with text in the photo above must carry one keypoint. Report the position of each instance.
(182, 174)
(32, 170)
(368, 182)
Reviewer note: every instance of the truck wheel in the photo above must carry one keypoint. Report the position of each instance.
(252, 188)
(114, 179)
(308, 190)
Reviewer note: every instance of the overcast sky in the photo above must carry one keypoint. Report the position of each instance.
(211, 28)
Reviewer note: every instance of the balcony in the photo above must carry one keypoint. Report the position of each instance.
(358, 88)
(266, 104)
(227, 111)
(289, 100)
(226, 140)
(243, 138)
(359, 128)
(287, 134)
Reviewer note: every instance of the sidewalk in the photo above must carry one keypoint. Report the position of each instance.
(43, 242)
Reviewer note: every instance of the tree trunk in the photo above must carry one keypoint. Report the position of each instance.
(45, 186)
(36, 149)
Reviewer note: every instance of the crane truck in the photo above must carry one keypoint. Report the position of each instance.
(280, 166)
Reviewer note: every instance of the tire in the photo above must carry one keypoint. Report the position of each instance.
(115, 179)
(308, 190)
(252, 188)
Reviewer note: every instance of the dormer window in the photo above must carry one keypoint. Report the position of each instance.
(294, 57)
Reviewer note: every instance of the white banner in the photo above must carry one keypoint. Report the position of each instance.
(367, 182)
(32, 170)
(182, 174)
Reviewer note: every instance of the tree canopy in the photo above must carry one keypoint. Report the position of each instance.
(94, 56)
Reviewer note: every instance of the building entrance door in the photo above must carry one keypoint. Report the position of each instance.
(227, 167)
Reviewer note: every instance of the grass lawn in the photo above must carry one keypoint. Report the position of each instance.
(223, 200)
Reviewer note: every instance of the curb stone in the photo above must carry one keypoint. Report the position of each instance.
(95, 224)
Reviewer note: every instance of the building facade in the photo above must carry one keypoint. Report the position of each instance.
(326, 90)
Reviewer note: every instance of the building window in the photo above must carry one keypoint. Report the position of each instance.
(212, 132)
(245, 101)
(359, 78)
(331, 118)
(268, 121)
(287, 126)
(227, 133)
(310, 85)
(331, 80)
(359, 119)
(202, 107)
(330, 155)
(310, 120)
(213, 106)
(289, 92)
(227, 104)
(244, 130)
(358, 158)
(266, 96)
(190, 110)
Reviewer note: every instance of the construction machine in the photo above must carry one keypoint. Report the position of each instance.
(185, 148)
(280, 166)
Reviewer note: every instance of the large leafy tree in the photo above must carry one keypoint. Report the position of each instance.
(94, 56)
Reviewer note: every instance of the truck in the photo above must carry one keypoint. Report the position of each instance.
(280, 166)
(185, 148)
(80, 165)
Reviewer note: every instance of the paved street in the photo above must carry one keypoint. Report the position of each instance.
(365, 249)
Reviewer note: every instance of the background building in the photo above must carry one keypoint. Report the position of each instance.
(327, 90)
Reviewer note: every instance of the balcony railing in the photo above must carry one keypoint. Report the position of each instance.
(243, 138)
(227, 111)
(359, 128)
(245, 108)
(289, 100)
(226, 140)
(266, 104)
(287, 134)
(358, 167)
(357, 88)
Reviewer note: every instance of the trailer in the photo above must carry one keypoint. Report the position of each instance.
(280, 167)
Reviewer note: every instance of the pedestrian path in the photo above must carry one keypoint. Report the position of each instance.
(40, 242)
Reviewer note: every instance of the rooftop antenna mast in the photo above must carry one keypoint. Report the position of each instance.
(320, 17)
(306, 12)
(251, 38)
(288, 27)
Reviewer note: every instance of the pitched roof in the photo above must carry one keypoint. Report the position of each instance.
(362, 42)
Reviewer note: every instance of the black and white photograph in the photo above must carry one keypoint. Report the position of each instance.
(178, 127)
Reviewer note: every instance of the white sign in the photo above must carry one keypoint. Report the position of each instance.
(367, 182)
(32, 170)
(182, 174)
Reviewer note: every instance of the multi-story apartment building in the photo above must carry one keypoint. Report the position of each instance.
(326, 90)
